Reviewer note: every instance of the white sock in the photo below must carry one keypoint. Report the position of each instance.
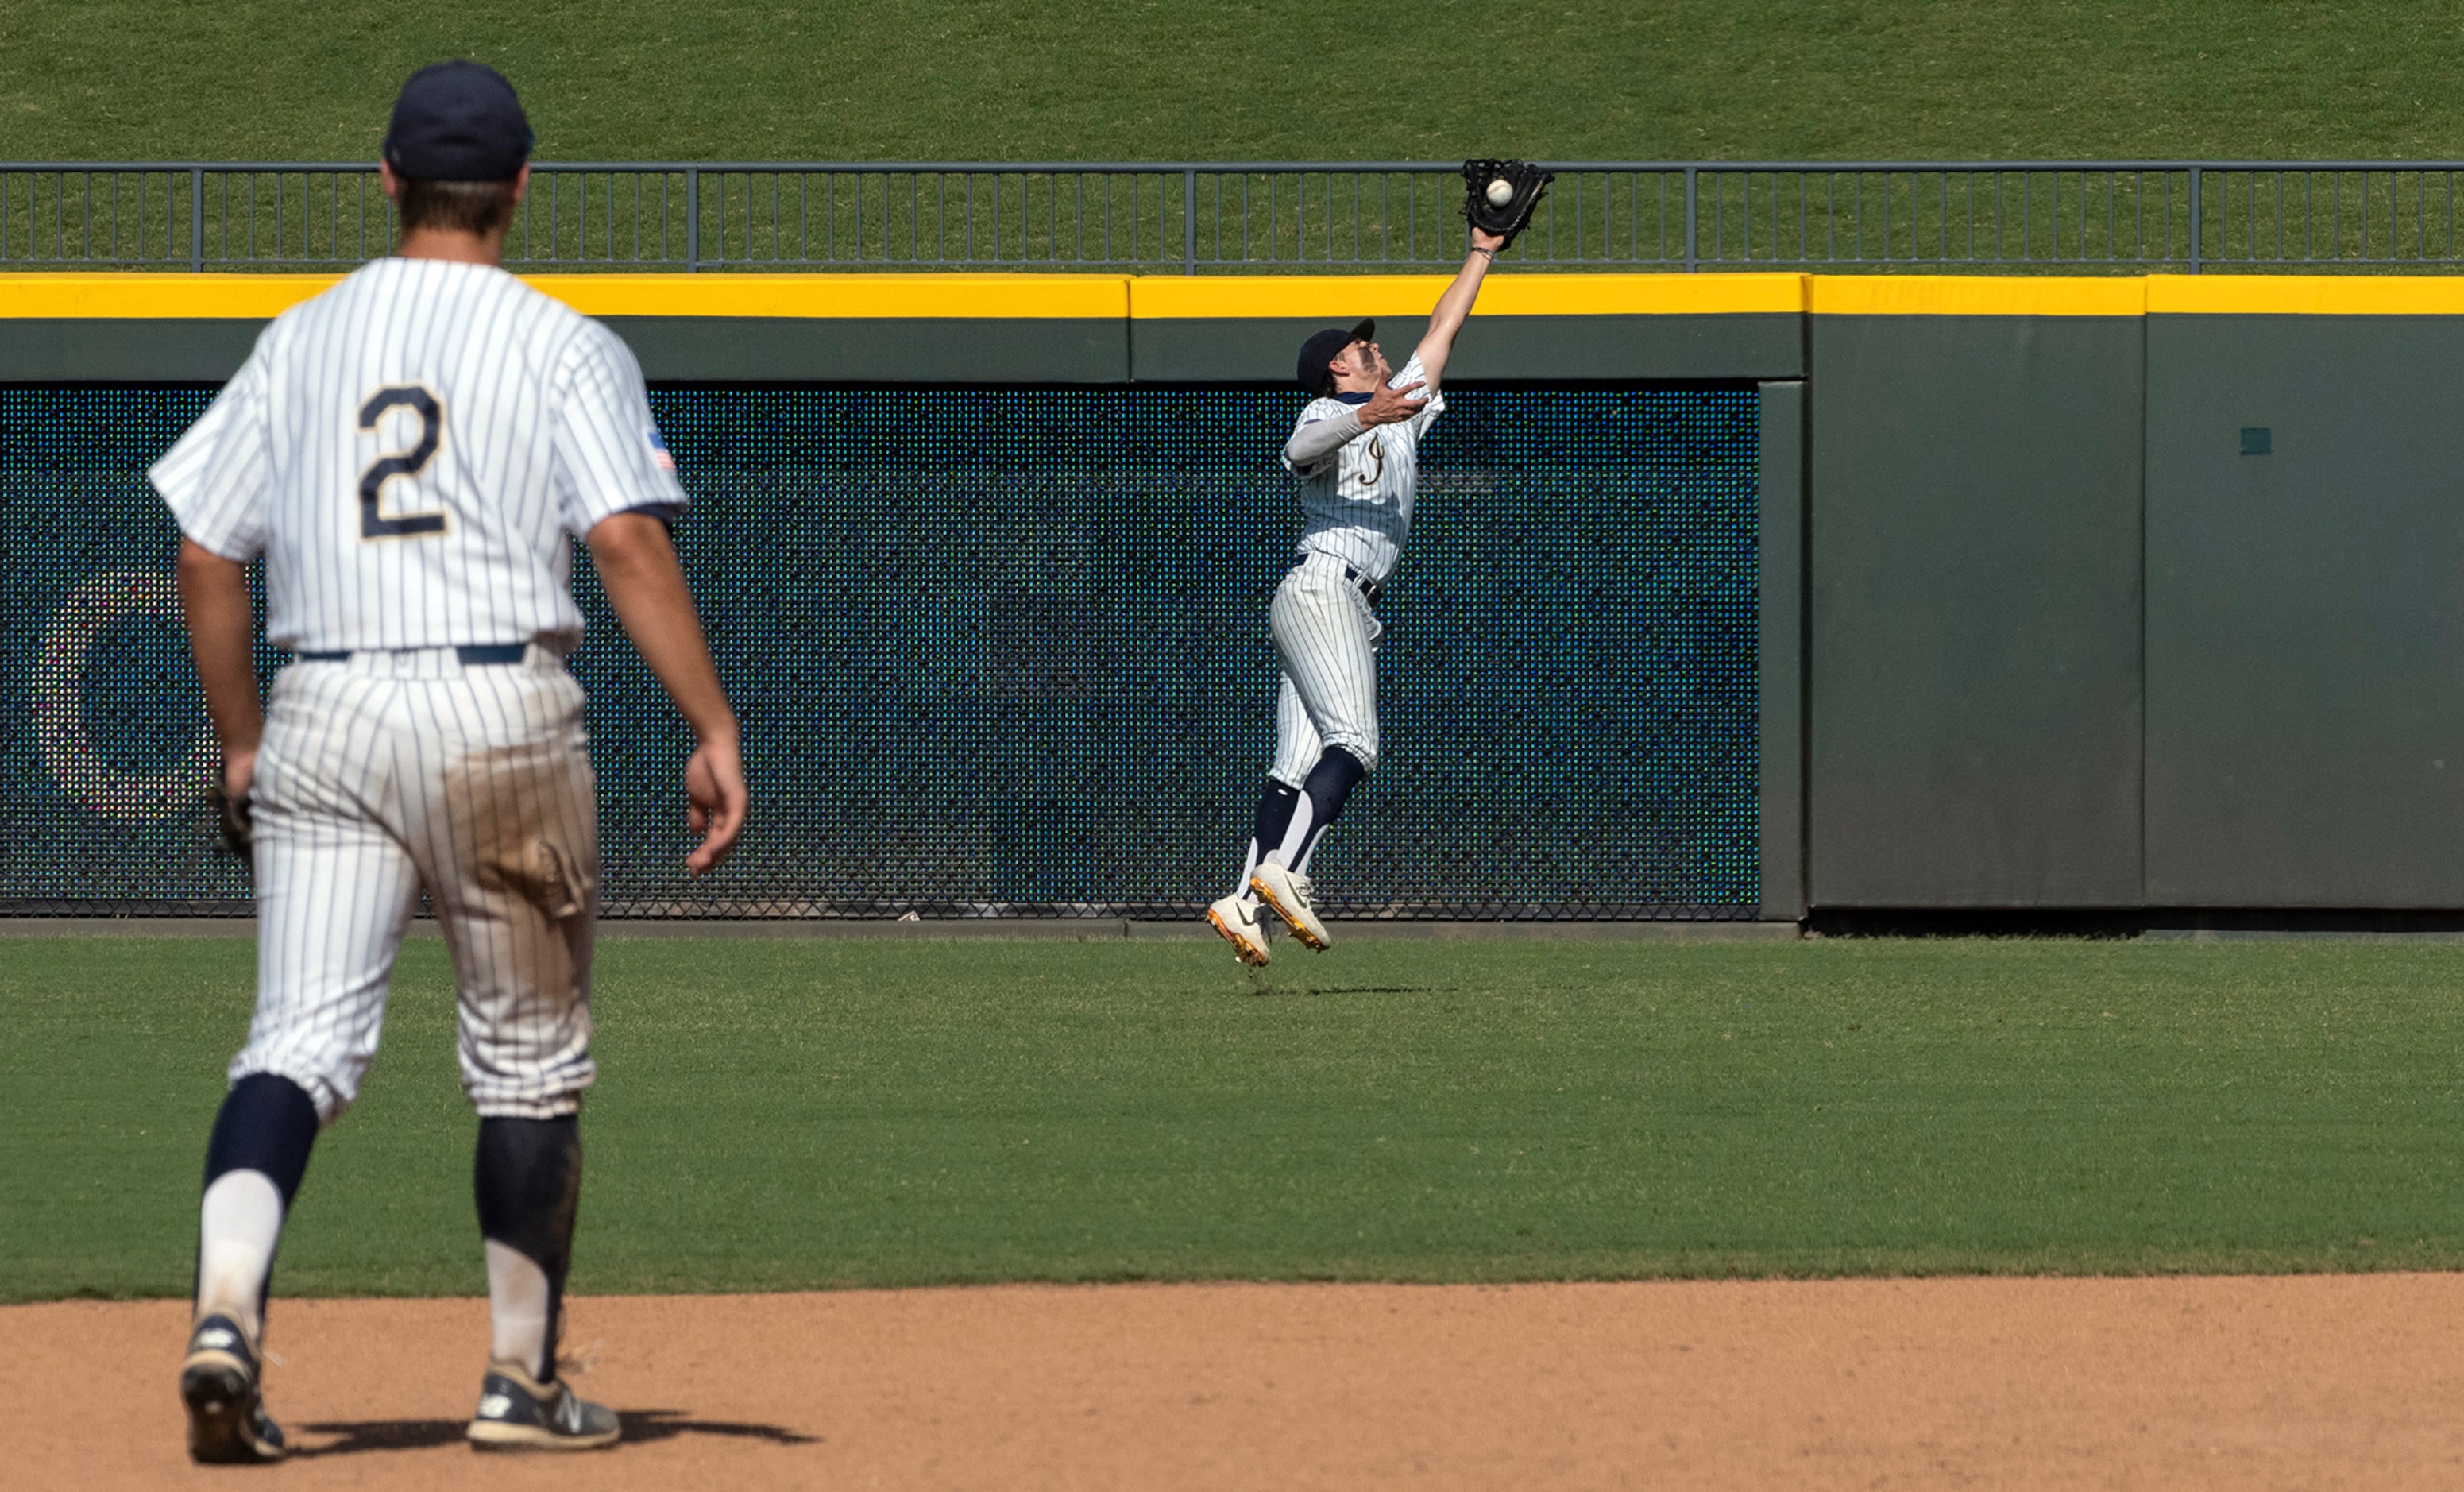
(237, 1227)
(1248, 867)
(1292, 854)
(518, 1311)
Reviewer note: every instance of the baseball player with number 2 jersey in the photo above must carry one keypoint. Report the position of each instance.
(412, 453)
(1355, 450)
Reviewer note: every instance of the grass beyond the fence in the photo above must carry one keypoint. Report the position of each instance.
(1273, 80)
(776, 1115)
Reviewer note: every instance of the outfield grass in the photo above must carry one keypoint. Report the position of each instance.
(1276, 80)
(778, 1115)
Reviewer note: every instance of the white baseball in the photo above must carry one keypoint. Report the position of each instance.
(1501, 192)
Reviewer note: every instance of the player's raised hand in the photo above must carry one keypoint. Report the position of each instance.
(1392, 406)
(715, 800)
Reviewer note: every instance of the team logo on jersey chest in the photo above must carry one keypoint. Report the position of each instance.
(1373, 469)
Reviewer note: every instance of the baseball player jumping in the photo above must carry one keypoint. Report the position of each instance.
(409, 451)
(1355, 450)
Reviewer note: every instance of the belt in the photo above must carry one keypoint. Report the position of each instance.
(471, 655)
(1369, 588)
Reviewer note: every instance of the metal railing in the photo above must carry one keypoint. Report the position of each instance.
(1322, 217)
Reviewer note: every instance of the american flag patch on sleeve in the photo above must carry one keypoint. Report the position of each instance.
(659, 456)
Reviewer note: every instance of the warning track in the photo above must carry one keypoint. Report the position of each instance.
(2294, 1381)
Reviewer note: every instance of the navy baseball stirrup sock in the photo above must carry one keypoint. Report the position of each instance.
(255, 1162)
(267, 1124)
(527, 1180)
(1276, 804)
(1328, 787)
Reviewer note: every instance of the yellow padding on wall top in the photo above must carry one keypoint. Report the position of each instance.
(851, 297)
(156, 296)
(255, 297)
(2303, 295)
(989, 297)
(1959, 295)
(1334, 297)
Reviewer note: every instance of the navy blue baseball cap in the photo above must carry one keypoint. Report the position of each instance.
(458, 121)
(1322, 346)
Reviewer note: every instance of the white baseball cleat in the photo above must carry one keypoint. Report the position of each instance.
(1289, 894)
(1237, 918)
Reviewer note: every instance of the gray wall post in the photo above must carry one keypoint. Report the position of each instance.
(1780, 652)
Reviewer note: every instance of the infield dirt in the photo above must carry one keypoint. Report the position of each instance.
(2294, 1381)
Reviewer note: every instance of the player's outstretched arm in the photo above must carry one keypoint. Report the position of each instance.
(637, 568)
(1454, 305)
(213, 598)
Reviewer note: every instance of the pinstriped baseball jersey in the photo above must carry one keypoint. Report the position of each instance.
(409, 450)
(1356, 504)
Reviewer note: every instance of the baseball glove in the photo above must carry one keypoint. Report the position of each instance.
(1511, 217)
(233, 829)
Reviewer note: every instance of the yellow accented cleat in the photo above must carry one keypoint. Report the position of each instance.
(1237, 918)
(1289, 894)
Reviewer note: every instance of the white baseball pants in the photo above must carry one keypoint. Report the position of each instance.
(391, 771)
(1326, 636)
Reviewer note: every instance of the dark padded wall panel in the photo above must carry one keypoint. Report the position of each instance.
(2305, 612)
(683, 348)
(1549, 348)
(888, 350)
(130, 350)
(970, 350)
(1975, 533)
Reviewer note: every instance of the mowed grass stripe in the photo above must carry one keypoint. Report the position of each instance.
(1255, 80)
(815, 1114)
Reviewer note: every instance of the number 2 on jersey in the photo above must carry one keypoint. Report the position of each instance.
(373, 522)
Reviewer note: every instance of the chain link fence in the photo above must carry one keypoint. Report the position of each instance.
(1025, 678)
(1316, 217)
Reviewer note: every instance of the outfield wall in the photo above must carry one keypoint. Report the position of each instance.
(2136, 593)
(2021, 625)
(992, 607)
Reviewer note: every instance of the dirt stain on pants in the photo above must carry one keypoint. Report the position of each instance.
(518, 905)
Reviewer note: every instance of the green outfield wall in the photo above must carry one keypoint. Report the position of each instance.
(2073, 594)
(2305, 606)
(1976, 478)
